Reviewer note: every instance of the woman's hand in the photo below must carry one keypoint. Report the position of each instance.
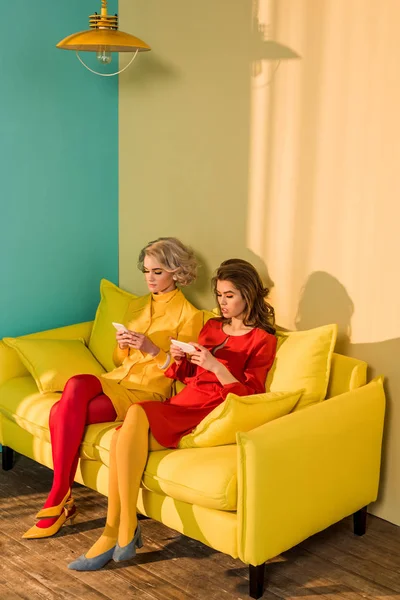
(177, 353)
(121, 340)
(203, 358)
(132, 339)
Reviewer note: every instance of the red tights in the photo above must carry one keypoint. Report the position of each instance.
(82, 403)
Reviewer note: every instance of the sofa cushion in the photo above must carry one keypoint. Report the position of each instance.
(97, 440)
(303, 361)
(113, 305)
(11, 365)
(22, 403)
(52, 362)
(239, 413)
(203, 476)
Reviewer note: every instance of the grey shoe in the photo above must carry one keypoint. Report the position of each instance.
(129, 551)
(92, 564)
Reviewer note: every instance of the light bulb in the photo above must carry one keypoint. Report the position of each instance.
(104, 57)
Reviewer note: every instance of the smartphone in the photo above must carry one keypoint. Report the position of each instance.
(188, 348)
(120, 327)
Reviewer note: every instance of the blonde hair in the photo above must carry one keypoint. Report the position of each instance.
(174, 256)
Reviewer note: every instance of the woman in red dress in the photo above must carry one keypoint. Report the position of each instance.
(234, 354)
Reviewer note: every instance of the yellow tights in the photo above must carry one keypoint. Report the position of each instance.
(128, 457)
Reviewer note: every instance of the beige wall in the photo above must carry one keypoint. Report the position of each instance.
(296, 169)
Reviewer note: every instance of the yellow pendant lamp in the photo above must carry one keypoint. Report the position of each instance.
(103, 37)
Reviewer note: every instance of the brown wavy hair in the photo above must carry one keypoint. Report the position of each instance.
(258, 312)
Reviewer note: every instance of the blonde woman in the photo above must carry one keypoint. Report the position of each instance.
(140, 357)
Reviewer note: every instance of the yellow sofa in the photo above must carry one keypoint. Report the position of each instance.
(279, 484)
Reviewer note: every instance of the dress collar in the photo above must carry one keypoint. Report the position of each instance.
(164, 298)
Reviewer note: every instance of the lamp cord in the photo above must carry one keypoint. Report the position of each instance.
(107, 74)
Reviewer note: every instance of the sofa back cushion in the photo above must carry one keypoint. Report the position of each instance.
(52, 362)
(11, 364)
(113, 305)
(239, 413)
(303, 361)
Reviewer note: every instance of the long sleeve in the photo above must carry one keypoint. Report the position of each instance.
(190, 331)
(181, 371)
(255, 371)
(119, 355)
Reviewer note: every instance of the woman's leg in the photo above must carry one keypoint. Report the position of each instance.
(81, 403)
(108, 538)
(128, 458)
(132, 451)
(99, 410)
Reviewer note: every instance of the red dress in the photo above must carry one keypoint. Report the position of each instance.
(248, 357)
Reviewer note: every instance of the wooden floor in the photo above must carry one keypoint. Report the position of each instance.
(334, 564)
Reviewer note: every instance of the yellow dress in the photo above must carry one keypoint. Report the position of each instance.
(139, 376)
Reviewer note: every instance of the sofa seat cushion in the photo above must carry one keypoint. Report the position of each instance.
(97, 441)
(23, 404)
(203, 476)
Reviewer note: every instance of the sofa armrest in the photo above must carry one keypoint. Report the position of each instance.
(305, 471)
(347, 374)
(10, 364)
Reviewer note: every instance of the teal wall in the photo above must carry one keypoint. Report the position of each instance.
(58, 170)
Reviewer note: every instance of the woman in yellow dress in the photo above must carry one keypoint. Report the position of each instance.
(140, 357)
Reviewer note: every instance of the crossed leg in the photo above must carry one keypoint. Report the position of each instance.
(82, 403)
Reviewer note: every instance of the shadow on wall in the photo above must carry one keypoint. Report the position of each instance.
(203, 281)
(261, 267)
(155, 67)
(325, 300)
(187, 105)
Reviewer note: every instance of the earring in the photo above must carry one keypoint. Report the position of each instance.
(174, 277)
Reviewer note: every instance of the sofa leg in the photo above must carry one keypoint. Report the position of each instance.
(256, 576)
(7, 458)
(360, 521)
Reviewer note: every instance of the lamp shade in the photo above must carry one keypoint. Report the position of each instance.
(97, 40)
